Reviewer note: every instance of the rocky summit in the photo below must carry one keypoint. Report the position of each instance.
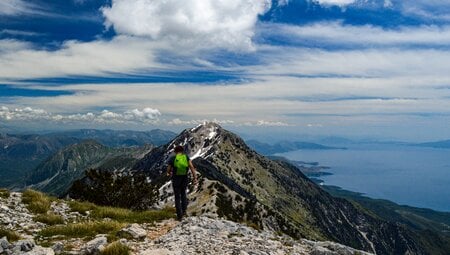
(194, 235)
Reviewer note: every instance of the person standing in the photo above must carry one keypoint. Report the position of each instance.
(178, 167)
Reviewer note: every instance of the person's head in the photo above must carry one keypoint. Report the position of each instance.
(179, 149)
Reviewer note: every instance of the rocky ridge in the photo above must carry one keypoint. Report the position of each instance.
(194, 235)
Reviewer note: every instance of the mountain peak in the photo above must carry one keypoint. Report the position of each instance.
(200, 140)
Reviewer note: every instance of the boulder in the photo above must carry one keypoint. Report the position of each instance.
(135, 231)
(25, 245)
(4, 244)
(58, 248)
(95, 246)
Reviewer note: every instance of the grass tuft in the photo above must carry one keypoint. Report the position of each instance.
(129, 216)
(37, 202)
(50, 219)
(10, 235)
(85, 229)
(4, 193)
(116, 248)
(81, 207)
(121, 214)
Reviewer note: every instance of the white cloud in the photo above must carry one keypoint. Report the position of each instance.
(271, 123)
(179, 122)
(13, 7)
(337, 33)
(335, 2)
(147, 115)
(387, 3)
(19, 60)
(190, 24)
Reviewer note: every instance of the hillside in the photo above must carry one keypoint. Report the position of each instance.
(21, 153)
(56, 174)
(239, 184)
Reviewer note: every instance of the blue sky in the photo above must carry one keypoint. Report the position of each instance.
(295, 67)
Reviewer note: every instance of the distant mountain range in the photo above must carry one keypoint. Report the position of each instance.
(20, 154)
(122, 138)
(439, 144)
(286, 146)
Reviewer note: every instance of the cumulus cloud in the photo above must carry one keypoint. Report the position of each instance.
(147, 115)
(190, 24)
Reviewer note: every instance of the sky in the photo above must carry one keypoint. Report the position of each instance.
(268, 68)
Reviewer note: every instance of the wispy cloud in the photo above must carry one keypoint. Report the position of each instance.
(14, 7)
(97, 58)
(326, 34)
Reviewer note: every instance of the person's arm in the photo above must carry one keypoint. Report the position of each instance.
(193, 171)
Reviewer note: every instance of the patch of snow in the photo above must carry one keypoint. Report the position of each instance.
(199, 125)
(212, 134)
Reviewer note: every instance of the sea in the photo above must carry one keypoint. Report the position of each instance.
(407, 175)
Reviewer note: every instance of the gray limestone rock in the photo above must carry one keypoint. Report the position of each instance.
(58, 248)
(4, 244)
(95, 246)
(25, 245)
(38, 250)
(135, 231)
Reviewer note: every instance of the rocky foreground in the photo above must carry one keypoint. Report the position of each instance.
(194, 235)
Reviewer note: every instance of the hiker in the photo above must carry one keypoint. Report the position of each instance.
(178, 170)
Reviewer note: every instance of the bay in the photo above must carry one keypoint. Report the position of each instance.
(407, 175)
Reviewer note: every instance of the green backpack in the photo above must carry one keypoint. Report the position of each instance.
(181, 164)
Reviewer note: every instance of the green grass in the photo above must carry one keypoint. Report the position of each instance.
(10, 235)
(37, 202)
(116, 248)
(4, 193)
(49, 219)
(129, 216)
(81, 207)
(121, 214)
(85, 229)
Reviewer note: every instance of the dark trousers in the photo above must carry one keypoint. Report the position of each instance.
(179, 183)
